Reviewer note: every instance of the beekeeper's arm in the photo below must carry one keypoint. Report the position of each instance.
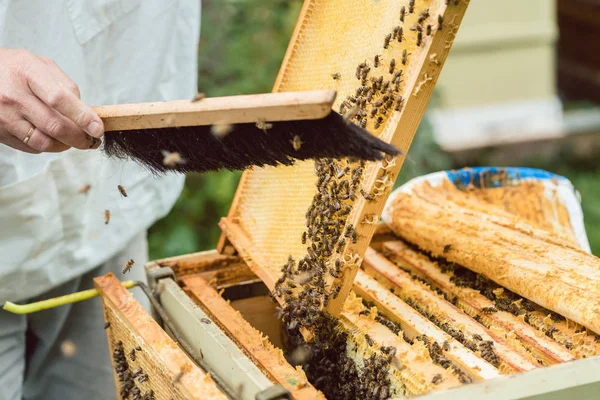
(40, 106)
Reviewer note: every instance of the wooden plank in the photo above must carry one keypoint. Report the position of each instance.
(170, 372)
(472, 302)
(252, 342)
(269, 218)
(414, 324)
(240, 109)
(421, 296)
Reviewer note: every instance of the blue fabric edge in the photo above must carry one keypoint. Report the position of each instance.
(474, 175)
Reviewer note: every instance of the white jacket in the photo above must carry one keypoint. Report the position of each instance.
(117, 51)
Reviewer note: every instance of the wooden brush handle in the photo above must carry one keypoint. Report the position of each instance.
(286, 106)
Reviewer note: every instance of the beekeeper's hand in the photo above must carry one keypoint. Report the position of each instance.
(40, 106)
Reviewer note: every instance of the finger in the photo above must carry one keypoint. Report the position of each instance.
(54, 124)
(15, 143)
(60, 75)
(58, 96)
(38, 140)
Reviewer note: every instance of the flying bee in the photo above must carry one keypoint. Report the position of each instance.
(366, 195)
(440, 22)
(404, 57)
(172, 159)
(263, 125)
(106, 217)
(296, 142)
(84, 189)
(221, 130)
(128, 266)
(122, 190)
(198, 97)
(419, 38)
(376, 60)
(386, 42)
(402, 13)
(428, 30)
(336, 76)
(411, 6)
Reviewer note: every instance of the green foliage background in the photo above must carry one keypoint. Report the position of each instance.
(240, 51)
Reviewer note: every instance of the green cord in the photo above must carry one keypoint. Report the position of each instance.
(57, 301)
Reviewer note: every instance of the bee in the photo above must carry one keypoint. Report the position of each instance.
(423, 16)
(447, 248)
(336, 76)
(106, 217)
(373, 112)
(358, 72)
(402, 13)
(369, 97)
(336, 291)
(380, 81)
(428, 30)
(221, 130)
(489, 310)
(477, 337)
(84, 189)
(296, 142)
(376, 61)
(385, 86)
(397, 75)
(378, 103)
(400, 35)
(446, 345)
(263, 125)
(334, 273)
(350, 114)
(377, 123)
(172, 159)
(440, 22)
(128, 266)
(404, 57)
(366, 195)
(411, 6)
(132, 355)
(341, 245)
(177, 377)
(304, 237)
(122, 190)
(437, 378)
(198, 97)
(369, 340)
(395, 34)
(392, 65)
(386, 42)
(416, 28)
(419, 38)
(399, 102)
(107, 325)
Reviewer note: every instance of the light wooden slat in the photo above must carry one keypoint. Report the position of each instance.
(535, 341)
(160, 357)
(414, 324)
(383, 269)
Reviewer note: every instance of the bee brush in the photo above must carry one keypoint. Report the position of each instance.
(236, 132)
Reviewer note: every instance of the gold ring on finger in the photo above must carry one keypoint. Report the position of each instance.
(29, 134)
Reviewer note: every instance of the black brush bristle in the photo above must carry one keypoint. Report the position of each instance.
(246, 145)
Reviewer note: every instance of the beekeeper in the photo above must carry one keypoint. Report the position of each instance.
(58, 58)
